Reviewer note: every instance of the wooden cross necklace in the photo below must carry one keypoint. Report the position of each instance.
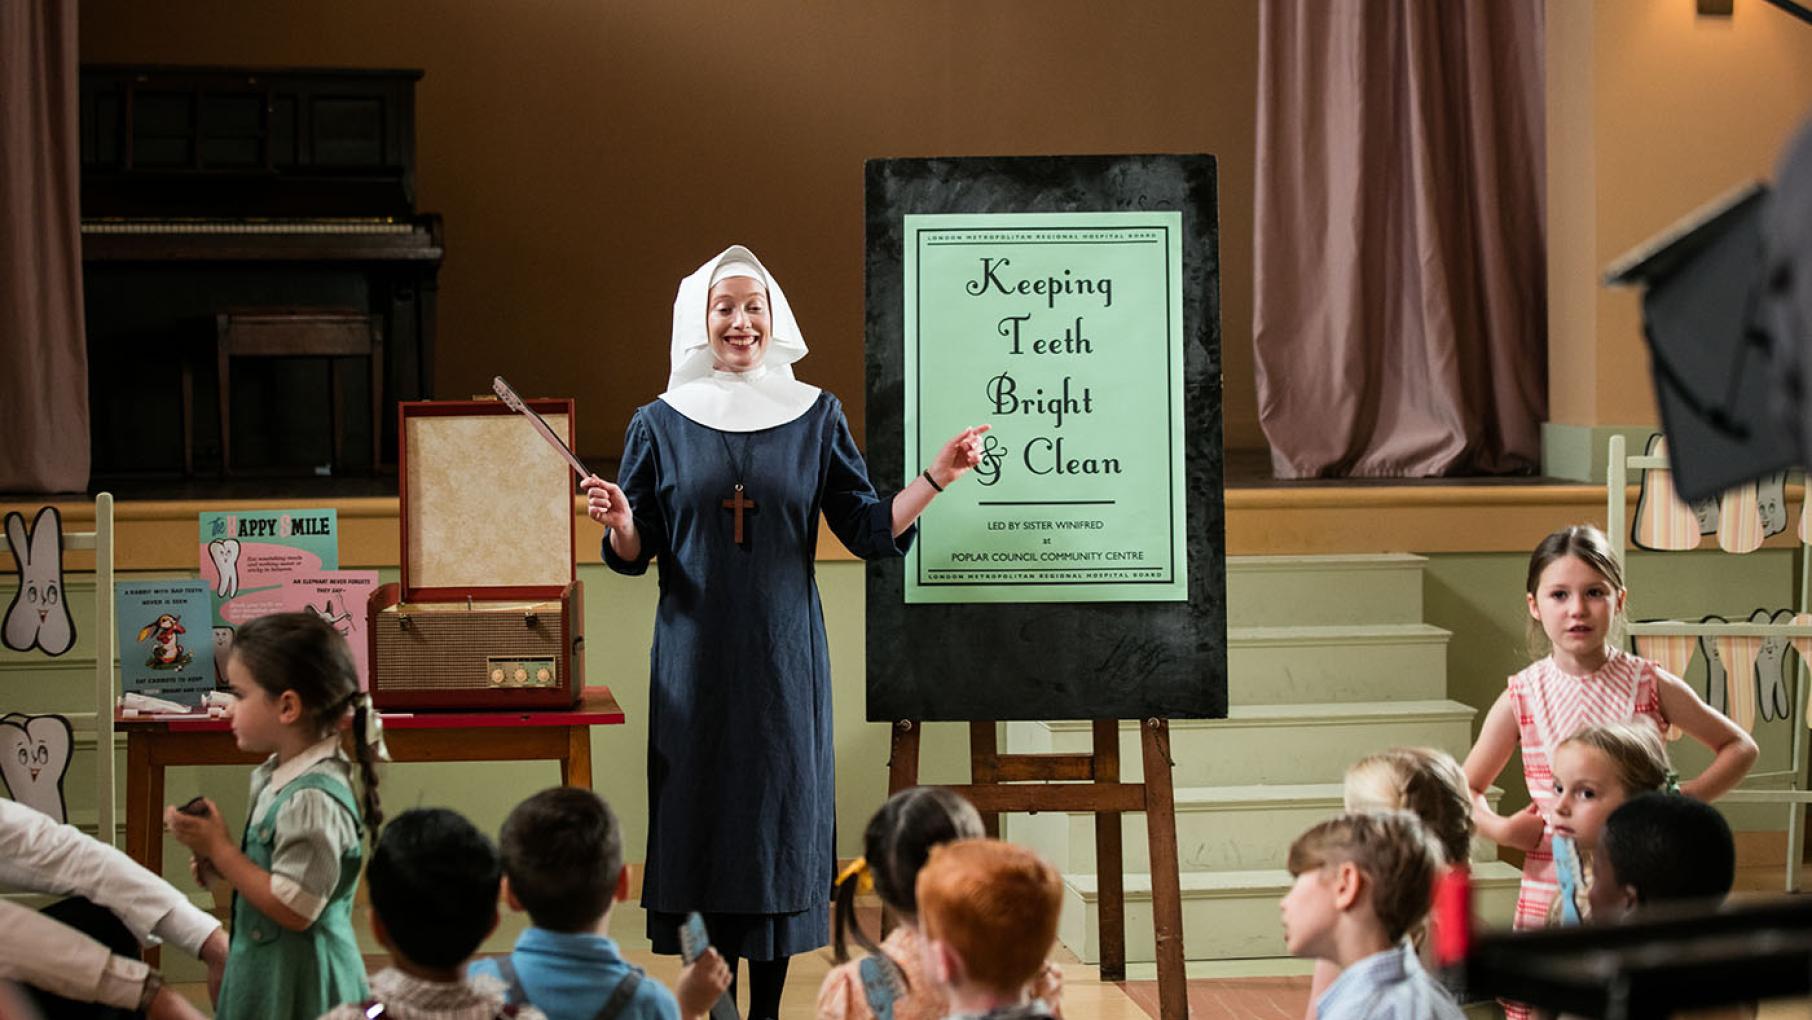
(737, 502)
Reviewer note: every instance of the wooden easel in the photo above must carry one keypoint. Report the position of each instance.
(1085, 782)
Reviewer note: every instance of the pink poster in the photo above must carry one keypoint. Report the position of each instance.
(339, 597)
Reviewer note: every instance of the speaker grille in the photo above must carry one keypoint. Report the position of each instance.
(447, 651)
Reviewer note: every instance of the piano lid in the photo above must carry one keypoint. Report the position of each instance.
(243, 143)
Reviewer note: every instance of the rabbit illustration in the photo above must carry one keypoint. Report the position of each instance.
(39, 614)
(166, 647)
(225, 554)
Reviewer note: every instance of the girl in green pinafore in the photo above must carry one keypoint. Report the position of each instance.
(293, 953)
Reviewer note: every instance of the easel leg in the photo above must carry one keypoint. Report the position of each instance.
(1166, 884)
(984, 767)
(1110, 867)
(902, 774)
(903, 761)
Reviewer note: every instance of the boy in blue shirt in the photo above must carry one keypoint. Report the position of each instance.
(1363, 881)
(563, 864)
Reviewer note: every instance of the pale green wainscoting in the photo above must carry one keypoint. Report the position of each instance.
(619, 625)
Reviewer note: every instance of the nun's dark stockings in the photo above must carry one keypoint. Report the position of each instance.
(767, 978)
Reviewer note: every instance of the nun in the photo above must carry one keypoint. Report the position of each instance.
(722, 482)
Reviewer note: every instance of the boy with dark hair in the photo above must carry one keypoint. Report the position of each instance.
(1659, 847)
(563, 865)
(988, 913)
(433, 880)
(1363, 880)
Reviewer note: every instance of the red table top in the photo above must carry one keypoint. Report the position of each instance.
(597, 707)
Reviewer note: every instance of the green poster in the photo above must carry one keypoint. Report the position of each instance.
(1062, 331)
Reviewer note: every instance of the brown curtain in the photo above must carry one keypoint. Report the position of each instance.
(43, 356)
(1399, 313)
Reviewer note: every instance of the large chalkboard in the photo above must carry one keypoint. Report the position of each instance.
(1052, 660)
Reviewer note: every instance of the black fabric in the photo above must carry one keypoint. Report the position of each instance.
(99, 924)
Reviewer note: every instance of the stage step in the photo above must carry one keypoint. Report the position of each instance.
(1219, 828)
(1354, 662)
(1233, 915)
(1329, 660)
(1312, 743)
(1324, 591)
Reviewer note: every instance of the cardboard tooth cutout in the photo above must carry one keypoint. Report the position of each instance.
(34, 757)
(1717, 693)
(1662, 521)
(223, 643)
(1673, 653)
(1804, 647)
(39, 614)
(1739, 655)
(1771, 667)
(1707, 512)
(1740, 519)
(1771, 501)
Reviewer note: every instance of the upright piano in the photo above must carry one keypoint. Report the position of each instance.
(209, 189)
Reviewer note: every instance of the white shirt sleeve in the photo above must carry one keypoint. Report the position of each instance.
(38, 855)
(41, 952)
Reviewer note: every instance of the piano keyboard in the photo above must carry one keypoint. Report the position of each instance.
(244, 227)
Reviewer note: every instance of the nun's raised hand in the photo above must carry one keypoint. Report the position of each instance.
(606, 504)
(959, 456)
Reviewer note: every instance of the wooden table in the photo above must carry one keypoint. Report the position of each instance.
(153, 744)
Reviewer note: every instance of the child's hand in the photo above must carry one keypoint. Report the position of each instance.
(701, 984)
(205, 835)
(202, 871)
(1048, 985)
(1523, 830)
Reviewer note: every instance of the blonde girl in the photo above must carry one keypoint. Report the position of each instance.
(1425, 782)
(1595, 771)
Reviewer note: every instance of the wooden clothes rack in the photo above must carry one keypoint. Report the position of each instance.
(1796, 796)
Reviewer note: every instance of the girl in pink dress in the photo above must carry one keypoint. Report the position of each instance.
(1575, 592)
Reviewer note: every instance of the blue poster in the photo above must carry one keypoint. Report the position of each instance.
(166, 642)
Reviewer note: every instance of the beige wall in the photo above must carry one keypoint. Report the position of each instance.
(587, 154)
(1652, 111)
